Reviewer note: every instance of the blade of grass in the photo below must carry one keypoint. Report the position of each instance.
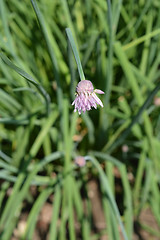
(139, 175)
(69, 21)
(128, 214)
(141, 39)
(51, 53)
(9, 101)
(90, 48)
(5, 157)
(145, 54)
(55, 214)
(150, 230)
(110, 53)
(29, 78)
(147, 186)
(8, 35)
(85, 230)
(106, 185)
(3, 190)
(68, 184)
(106, 157)
(20, 190)
(112, 225)
(8, 167)
(155, 199)
(44, 131)
(116, 14)
(90, 127)
(141, 109)
(33, 215)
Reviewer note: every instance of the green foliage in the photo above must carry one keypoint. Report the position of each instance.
(46, 47)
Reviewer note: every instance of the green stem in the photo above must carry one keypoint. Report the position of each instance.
(108, 191)
(135, 119)
(75, 52)
(110, 54)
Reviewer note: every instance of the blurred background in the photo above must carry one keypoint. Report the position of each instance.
(90, 176)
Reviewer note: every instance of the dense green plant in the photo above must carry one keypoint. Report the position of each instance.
(40, 135)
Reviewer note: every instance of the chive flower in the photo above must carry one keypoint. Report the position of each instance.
(86, 97)
(80, 161)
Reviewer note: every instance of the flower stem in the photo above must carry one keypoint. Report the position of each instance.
(75, 52)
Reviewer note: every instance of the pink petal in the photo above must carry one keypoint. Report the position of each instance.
(98, 91)
(97, 99)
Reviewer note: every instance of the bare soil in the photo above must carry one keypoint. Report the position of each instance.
(99, 224)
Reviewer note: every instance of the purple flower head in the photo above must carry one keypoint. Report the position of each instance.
(86, 97)
(80, 161)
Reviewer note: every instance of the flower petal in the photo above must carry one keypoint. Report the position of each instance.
(98, 101)
(86, 97)
(98, 91)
